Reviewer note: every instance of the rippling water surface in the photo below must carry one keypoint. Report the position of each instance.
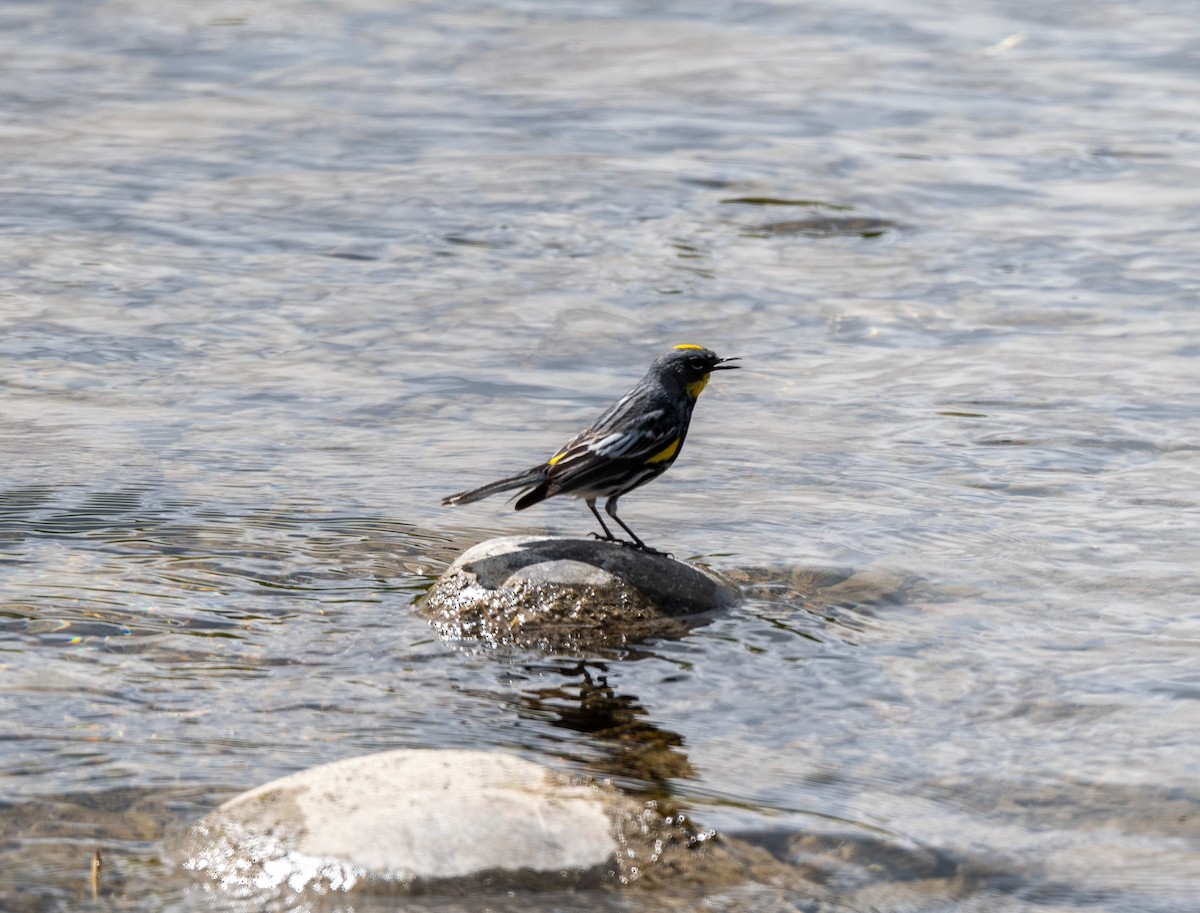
(278, 276)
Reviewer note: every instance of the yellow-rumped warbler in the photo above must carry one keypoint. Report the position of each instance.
(635, 440)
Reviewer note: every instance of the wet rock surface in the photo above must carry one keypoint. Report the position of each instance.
(408, 819)
(557, 593)
(415, 822)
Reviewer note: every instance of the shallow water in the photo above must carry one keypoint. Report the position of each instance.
(278, 277)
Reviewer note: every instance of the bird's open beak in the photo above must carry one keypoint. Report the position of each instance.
(723, 364)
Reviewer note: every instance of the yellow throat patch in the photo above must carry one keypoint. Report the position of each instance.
(694, 389)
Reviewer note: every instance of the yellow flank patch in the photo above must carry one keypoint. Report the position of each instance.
(554, 459)
(688, 345)
(666, 453)
(693, 389)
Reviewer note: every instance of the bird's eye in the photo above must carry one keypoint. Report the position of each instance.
(696, 363)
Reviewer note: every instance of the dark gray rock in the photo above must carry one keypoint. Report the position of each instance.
(571, 594)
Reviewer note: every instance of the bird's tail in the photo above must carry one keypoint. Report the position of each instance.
(521, 480)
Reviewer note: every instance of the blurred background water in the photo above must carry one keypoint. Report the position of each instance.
(277, 276)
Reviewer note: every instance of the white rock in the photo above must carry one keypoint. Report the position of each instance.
(404, 817)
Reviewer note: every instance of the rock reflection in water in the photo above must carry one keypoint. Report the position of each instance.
(635, 751)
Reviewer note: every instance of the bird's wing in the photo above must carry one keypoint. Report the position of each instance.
(635, 440)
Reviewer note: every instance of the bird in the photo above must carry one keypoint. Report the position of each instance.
(635, 440)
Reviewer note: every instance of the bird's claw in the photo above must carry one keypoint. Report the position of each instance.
(643, 547)
(636, 544)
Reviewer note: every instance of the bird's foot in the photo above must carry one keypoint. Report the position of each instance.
(641, 546)
(636, 544)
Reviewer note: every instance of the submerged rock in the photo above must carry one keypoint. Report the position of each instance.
(455, 822)
(563, 594)
(824, 227)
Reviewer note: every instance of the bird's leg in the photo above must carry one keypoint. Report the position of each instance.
(610, 507)
(607, 537)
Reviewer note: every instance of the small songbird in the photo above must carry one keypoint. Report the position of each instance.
(635, 440)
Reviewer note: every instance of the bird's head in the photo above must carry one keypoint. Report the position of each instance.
(689, 365)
